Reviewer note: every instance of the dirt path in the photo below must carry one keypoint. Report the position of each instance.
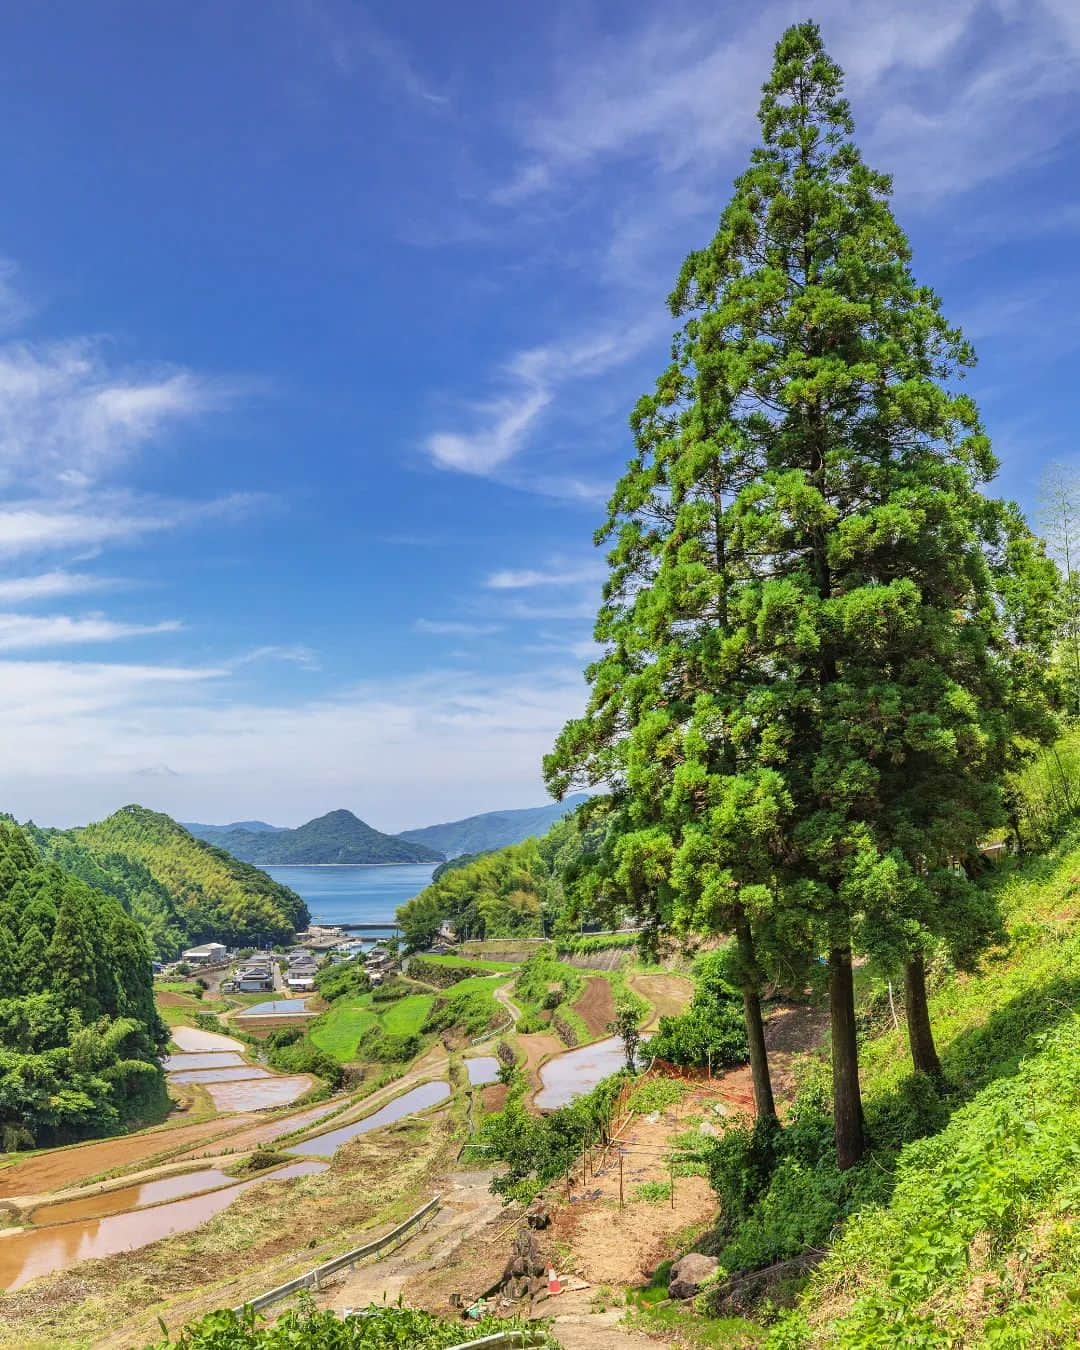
(429, 1266)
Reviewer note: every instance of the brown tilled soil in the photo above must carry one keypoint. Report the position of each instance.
(596, 1005)
(537, 1046)
(65, 1167)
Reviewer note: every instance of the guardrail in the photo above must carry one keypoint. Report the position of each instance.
(313, 1278)
(507, 1340)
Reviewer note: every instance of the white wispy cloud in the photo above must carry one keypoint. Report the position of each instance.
(680, 93)
(67, 416)
(50, 586)
(396, 751)
(531, 379)
(353, 41)
(24, 632)
(294, 654)
(511, 579)
(65, 522)
(454, 628)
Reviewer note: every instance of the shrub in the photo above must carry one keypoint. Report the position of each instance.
(652, 1192)
(376, 1328)
(347, 978)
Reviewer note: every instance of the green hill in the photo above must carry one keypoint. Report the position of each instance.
(79, 1035)
(338, 837)
(492, 829)
(184, 890)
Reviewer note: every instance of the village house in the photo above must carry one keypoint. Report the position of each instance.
(209, 954)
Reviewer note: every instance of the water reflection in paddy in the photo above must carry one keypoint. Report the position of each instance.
(195, 1039)
(24, 1256)
(483, 1069)
(568, 1076)
(131, 1197)
(427, 1094)
(256, 1094)
(243, 1071)
(275, 1005)
(220, 1060)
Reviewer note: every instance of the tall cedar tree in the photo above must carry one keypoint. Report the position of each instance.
(823, 642)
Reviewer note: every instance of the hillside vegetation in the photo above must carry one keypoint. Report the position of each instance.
(79, 1036)
(961, 1228)
(492, 829)
(184, 890)
(337, 837)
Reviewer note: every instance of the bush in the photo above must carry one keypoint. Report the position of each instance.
(375, 1044)
(537, 1149)
(347, 978)
(376, 1328)
(296, 1054)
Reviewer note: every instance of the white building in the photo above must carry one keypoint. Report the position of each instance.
(206, 955)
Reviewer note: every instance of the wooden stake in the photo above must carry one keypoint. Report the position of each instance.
(672, 1185)
(620, 1178)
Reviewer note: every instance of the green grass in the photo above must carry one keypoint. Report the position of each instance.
(469, 986)
(973, 1238)
(337, 1032)
(407, 1015)
(652, 1192)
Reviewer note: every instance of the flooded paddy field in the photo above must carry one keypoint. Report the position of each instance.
(259, 1093)
(196, 1040)
(38, 1251)
(482, 1070)
(427, 1094)
(130, 1197)
(569, 1075)
(217, 1060)
(219, 1075)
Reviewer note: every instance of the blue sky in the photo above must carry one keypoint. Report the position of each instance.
(320, 323)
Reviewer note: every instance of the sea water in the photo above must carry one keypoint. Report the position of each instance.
(352, 892)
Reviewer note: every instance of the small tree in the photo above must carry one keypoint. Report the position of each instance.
(1059, 518)
(626, 1024)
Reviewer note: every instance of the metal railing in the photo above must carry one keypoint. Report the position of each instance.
(508, 1340)
(313, 1278)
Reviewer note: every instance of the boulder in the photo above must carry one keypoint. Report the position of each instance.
(689, 1273)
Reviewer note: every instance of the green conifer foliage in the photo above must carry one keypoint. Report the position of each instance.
(823, 642)
(79, 1034)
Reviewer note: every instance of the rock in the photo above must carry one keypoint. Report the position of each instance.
(689, 1273)
(538, 1215)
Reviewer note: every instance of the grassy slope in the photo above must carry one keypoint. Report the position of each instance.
(338, 1031)
(407, 1015)
(979, 1243)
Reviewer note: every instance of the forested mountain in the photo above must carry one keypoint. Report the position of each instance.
(536, 886)
(182, 889)
(337, 837)
(492, 829)
(79, 1035)
(212, 833)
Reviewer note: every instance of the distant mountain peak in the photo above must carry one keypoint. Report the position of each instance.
(339, 836)
(492, 829)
